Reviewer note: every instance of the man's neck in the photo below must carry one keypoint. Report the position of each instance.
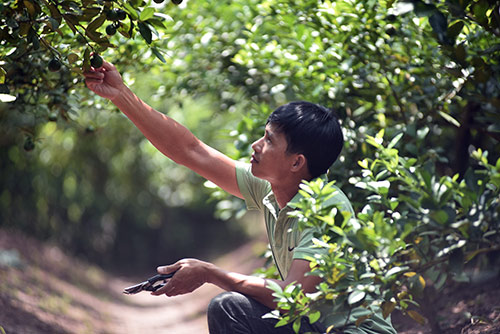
(287, 186)
(284, 193)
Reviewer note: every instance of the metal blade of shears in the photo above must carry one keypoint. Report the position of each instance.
(148, 285)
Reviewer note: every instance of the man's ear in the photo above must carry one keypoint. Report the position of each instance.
(299, 163)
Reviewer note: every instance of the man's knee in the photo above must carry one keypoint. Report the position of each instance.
(226, 313)
(225, 303)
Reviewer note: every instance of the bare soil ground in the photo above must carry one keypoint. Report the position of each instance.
(42, 290)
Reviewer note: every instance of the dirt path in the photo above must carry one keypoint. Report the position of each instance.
(42, 290)
(186, 314)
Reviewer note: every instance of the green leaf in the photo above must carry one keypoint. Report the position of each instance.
(158, 54)
(147, 13)
(131, 11)
(355, 297)
(449, 118)
(417, 317)
(389, 3)
(375, 142)
(3, 73)
(363, 163)
(439, 24)
(460, 54)
(94, 25)
(274, 286)
(422, 9)
(440, 216)
(54, 12)
(86, 59)
(157, 23)
(72, 58)
(480, 8)
(145, 32)
(71, 21)
(387, 308)
(296, 325)
(30, 7)
(394, 271)
(455, 29)
(314, 316)
(282, 322)
(53, 23)
(395, 140)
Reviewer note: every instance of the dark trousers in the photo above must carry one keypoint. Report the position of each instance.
(235, 313)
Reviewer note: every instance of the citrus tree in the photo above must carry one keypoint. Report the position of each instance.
(46, 44)
(424, 72)
(416, 233)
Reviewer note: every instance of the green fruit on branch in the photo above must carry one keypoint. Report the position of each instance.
(96, 61)
(121, 14)
(116, 14)
(54, 65)
(112, 14)
(111, 29)
(29, 145)
(53, 117)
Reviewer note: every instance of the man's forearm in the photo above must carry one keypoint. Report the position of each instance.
(255, 287)
(168, 136)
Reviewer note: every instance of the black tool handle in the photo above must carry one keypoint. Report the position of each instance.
(160, 277)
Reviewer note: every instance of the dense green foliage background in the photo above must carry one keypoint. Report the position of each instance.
(426, 73)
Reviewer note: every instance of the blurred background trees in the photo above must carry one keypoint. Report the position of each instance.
(75, 171)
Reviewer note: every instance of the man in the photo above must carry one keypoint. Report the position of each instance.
(301, 141)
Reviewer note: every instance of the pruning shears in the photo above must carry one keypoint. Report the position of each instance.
(151, 284)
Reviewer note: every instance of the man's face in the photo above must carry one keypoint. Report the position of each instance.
(270, 160)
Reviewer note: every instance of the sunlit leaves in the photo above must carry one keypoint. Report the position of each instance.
(415, 229)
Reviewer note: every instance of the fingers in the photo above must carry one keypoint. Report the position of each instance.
(168, 269)
(176, 287)
(94, 76)
(108, 66)
(92, 79)
(168, 289)
(188, 277)
(99, 72)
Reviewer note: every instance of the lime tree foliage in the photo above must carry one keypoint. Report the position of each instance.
(77, 174)
(46, 44)
(426, 73)
(415, 84)
(416, 232)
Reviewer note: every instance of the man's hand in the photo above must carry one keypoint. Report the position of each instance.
(105, 81)
(190, 275)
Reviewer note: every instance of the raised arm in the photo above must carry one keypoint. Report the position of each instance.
(168, 136)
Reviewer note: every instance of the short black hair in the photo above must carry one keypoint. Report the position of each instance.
(312, 130)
